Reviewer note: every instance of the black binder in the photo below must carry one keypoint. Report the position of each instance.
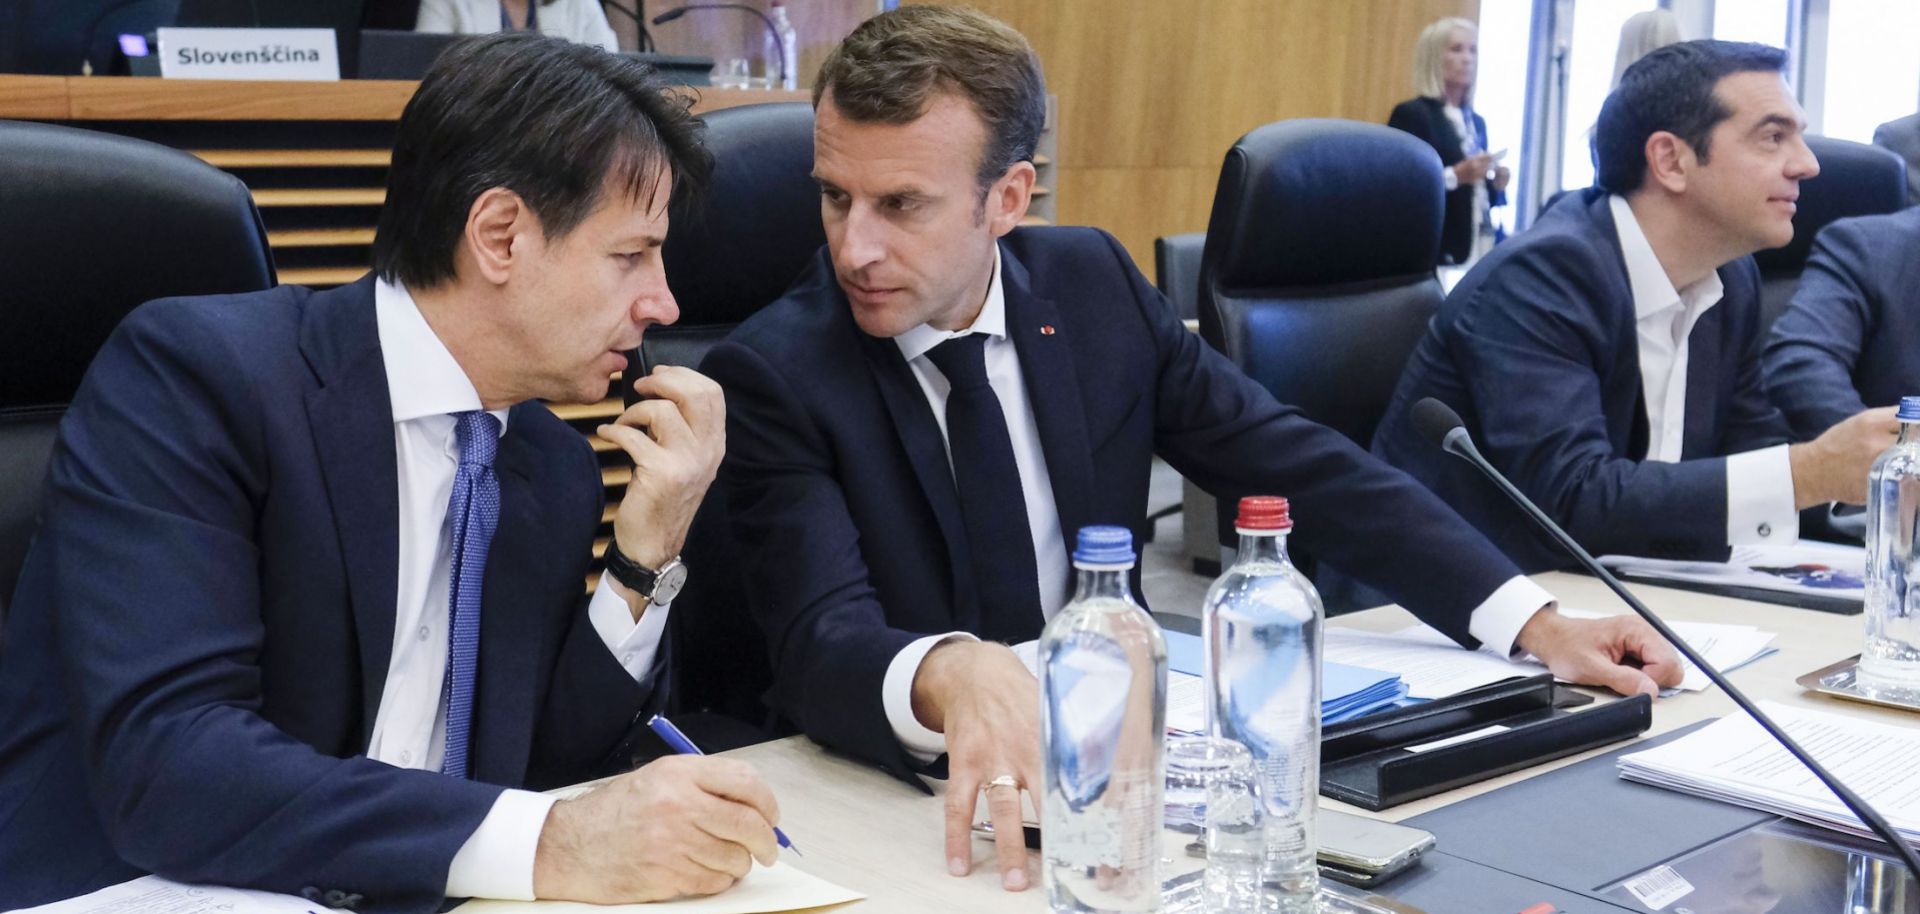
(1366, 761)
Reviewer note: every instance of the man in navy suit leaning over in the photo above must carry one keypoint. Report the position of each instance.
(1608, 358)
(917, 428)
(307, 600)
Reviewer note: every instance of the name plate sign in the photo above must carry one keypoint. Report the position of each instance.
(304, 54)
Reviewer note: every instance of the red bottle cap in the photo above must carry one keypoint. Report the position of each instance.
(1263, 512)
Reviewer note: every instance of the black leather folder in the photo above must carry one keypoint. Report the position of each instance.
(1368, 762)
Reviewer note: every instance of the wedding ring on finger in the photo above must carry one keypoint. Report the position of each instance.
(1005, 780)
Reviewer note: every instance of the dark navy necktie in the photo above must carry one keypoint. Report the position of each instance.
(992, 505)
(474, 512)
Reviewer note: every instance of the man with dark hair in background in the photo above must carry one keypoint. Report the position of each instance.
(307, 605)
(1608, 358)
(919, 426)
(1851, 337)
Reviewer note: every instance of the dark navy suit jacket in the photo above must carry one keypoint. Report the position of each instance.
(1851, 337)
(202, 631)
(1426, 118)
(844, 505)
(1537, 349)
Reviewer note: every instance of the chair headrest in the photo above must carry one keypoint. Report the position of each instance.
(1855, 180)
(760, 222)
(1320, 202)
(95, 224)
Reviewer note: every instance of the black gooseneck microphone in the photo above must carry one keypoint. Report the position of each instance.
(1438, 423)
(779, 44)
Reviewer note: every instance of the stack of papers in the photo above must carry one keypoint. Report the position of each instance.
(764, 891)
(1807, 567)
(1735, 761)
(1346, 691)
(1433, 666)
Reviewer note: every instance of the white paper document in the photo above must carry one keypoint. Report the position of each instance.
(154, 895)
(765, 890)
(1807, 567)
(1733, 760)
(1433, 666)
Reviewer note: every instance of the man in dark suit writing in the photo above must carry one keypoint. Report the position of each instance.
(917, 428)
(1608, 359)
(307, 602)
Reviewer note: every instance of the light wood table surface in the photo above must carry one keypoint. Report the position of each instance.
(862, 829)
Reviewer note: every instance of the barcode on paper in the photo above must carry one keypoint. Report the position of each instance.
(1659, 887)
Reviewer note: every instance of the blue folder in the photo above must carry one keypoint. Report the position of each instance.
(1346, 692)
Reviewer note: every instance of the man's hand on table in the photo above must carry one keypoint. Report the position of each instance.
(1622, 653)
(988, 705)
(684, 825)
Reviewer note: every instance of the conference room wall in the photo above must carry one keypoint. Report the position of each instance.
(1153, 92)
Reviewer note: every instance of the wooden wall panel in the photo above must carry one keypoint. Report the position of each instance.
(1153, 92)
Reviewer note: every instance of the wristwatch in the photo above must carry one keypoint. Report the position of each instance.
(658, 586)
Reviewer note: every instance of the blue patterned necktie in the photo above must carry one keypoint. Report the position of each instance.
(993, 508)
(474, 512)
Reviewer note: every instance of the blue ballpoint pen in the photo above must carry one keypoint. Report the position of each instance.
(679, 743)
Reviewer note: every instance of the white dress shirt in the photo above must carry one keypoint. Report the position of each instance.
(579, 21)
(1760, 504)
(426, 386)
(1496, 621)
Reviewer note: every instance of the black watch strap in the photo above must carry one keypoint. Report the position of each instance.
(631, 574)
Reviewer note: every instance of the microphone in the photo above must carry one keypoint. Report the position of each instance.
(1439, 424)
(779, 44)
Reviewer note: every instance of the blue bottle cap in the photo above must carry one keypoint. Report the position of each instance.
(1909, 409)
(1104, 546)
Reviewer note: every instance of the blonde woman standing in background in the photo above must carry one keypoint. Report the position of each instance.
(1445, 63)
(1641, 33)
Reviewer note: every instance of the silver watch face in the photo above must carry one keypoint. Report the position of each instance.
(667, 584)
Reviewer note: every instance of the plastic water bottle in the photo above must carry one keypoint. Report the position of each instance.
(787, 53)
(1261, 626)
(1103, 689)
(1890, 664)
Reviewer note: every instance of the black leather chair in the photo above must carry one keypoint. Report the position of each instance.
(92, 225)
(730, 256)
(1317, 278)
(1855, 180)
(1176, 270)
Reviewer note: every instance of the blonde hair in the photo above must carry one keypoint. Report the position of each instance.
(1641, 33)
(1430, 58)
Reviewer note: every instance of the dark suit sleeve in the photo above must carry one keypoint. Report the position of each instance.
(1530, 370)
(807, 583)
(153, 492)
(1408, 116)
(1815, 346)
(1226, 433)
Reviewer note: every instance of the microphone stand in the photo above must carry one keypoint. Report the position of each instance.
(1451, 436)
(779, 44)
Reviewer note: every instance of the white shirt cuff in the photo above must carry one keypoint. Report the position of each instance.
(1497, 621)
(1449, 178)
(497, 860)
(896, 693)
(1760, 498)
(634, 644)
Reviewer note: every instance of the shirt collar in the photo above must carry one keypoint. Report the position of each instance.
(1652, 291)
(992, 320)
(422, 377)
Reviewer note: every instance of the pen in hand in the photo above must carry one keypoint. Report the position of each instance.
(679, 743)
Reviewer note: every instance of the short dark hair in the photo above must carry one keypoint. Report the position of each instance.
(889, 69)
(548, 119)
(1670, 89)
